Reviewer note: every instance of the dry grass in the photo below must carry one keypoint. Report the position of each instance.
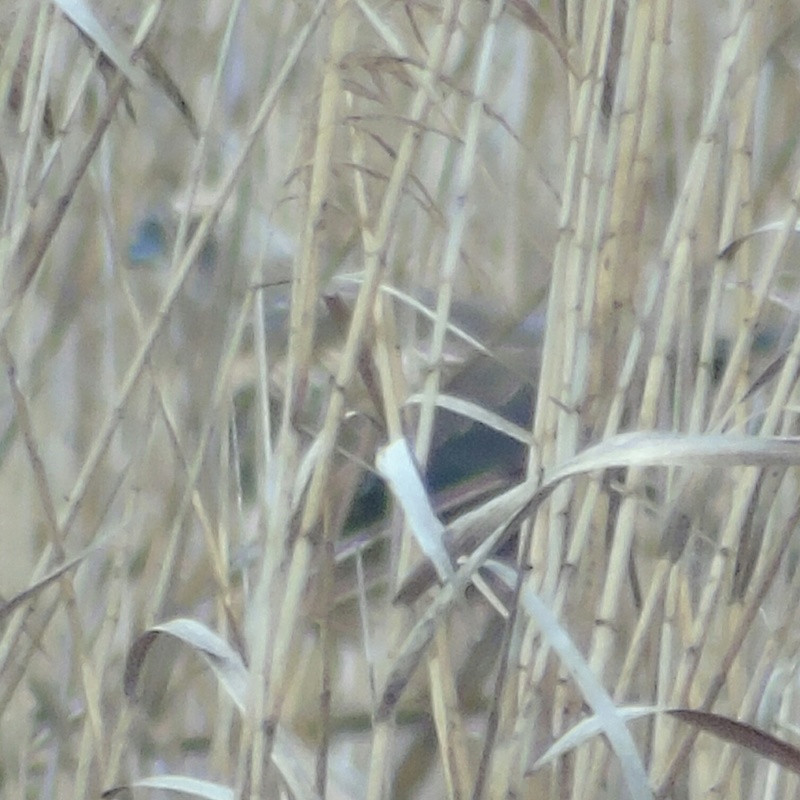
(246, 246)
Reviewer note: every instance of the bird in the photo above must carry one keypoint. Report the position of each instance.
(470, 461)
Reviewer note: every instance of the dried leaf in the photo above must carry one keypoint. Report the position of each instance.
(741, 733)
(84, 19)
(725, 728)
(176, 783)
(28, 594)
(730, 250)
(608, 716)
(396, 465)
(226, 663)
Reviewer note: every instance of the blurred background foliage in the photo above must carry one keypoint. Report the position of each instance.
(160, 232)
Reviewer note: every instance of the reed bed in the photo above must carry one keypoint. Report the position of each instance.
(399, 399)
